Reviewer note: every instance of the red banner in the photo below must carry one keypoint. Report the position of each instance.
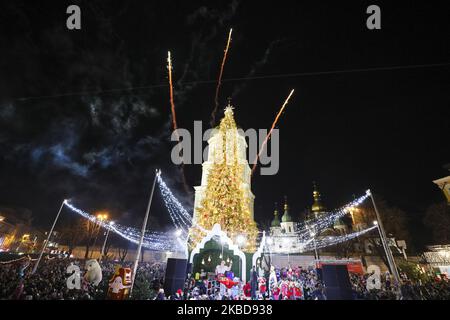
(352, 266)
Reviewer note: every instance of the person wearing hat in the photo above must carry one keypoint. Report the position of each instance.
(178, 295)
(160, 295)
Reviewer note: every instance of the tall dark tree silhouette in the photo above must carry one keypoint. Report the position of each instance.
(437, 219)
(73, 234)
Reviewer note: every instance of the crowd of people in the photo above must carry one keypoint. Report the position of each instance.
(434, 289)
(305, 284)
(281, 284)
(49, 282)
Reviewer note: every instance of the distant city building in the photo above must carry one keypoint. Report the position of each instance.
(16, 232)
(438, 257)
(284, 231)
(284, 234)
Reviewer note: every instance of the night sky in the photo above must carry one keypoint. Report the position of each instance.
(71, 127)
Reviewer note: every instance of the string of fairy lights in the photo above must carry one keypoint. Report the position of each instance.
(333, 240)
(157, 241)
(305, 236)
(291, 244)
(181, 219)
(315, 226)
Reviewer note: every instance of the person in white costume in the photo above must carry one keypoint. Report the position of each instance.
(272, 278)
(222, 268)
(220, 272)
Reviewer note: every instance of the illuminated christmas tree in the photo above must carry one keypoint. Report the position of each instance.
(225, 196)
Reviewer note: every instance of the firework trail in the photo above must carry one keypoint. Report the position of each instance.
(172, 104)
(174, 118)
(219, 82)
(271, 129)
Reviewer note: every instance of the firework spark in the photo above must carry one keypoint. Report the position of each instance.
(174, 118)
(271, 129)
(219, 82)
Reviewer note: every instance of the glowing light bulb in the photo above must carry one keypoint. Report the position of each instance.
(178, 232)
(240, 240)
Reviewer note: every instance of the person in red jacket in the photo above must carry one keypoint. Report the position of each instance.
(262, 285)
(276, 292)
(297, 292)
(290, 291)
(247, 290)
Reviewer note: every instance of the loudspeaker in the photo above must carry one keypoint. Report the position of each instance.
(175, 275)
(337, 282)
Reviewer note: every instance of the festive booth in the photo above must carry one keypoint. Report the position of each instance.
(207, 254)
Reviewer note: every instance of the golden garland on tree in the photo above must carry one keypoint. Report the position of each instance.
(225, 201)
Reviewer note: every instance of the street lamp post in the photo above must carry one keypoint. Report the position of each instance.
(315, 248)
(387, 250)
(101, 218)
(106, 239)
(144, 227)
(286, 243)
(48, 237)
(316, 254)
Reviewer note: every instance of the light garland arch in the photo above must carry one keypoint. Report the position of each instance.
(217, 231)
